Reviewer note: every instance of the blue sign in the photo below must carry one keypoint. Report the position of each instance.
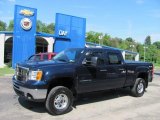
(69, 31)
(24, 33)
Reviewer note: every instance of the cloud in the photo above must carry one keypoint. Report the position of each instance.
(139, 2)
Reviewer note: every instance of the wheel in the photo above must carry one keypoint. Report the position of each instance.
(139, 87)
(59, 100)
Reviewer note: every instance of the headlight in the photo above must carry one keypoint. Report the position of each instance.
(35, 75)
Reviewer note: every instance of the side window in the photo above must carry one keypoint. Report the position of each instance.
(99, 54)
(114, 58)
(37, 57)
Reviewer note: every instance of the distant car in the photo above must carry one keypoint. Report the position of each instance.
(42, 56)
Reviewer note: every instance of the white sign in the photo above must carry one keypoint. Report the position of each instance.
(26, 23)
(62, 33)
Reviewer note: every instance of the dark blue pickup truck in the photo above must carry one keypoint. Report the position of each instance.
(79, 70)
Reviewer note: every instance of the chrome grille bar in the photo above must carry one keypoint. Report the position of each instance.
(22, 73)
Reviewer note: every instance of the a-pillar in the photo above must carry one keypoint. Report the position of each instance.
(123, 54)
(2, 42)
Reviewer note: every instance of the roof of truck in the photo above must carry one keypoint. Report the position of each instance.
(94, 45)
(110, 49)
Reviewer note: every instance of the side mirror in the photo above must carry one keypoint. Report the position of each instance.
(86, 62)
(94, 61)
(91, 62)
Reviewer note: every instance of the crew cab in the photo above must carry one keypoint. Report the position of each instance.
(79, 70)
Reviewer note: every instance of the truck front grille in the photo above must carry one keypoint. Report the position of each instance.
(22, 73)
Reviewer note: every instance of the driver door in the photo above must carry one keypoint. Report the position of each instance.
(90, 77)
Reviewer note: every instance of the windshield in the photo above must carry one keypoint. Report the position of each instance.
(35, 58)
(69, 55)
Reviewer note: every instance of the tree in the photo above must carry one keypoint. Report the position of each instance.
(123, 45)
(106, 39)
(140, 50)
(129, 39)
(157, 44)
(10, 26)
(51, 28)
(151, 53)
(42, 27)
(115, 42)
(39, 26)
(2, 26)
(147, 40)
(158, 57)
(93, 37)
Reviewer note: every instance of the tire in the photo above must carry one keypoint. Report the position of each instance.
(139, 87)
(59, 100)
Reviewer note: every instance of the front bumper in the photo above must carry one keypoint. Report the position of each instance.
(35, 94)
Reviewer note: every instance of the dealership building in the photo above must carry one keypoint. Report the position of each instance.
(24, 41)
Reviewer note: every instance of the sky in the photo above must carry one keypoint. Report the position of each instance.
(118, 18)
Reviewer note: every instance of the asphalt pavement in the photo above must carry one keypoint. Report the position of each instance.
(107, 105)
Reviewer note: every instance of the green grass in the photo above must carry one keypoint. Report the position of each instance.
(6, 70)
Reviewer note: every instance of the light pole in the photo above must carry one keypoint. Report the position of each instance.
(145, 52)
(132, 46)
(100, 38)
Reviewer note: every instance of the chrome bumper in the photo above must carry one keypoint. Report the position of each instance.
(30, 94)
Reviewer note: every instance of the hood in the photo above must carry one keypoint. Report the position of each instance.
(39, 64)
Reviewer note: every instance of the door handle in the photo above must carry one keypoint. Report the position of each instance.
(103, 70)
(121, 69)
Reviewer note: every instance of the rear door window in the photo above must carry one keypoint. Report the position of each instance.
(114, 58)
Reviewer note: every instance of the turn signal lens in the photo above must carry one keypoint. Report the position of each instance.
(39, 75)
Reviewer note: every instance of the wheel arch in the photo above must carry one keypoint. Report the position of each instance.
(143, 75)
(64, 81)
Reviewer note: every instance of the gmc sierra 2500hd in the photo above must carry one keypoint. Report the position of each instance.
(79, 70)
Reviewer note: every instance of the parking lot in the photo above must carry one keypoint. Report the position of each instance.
(108, 105)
